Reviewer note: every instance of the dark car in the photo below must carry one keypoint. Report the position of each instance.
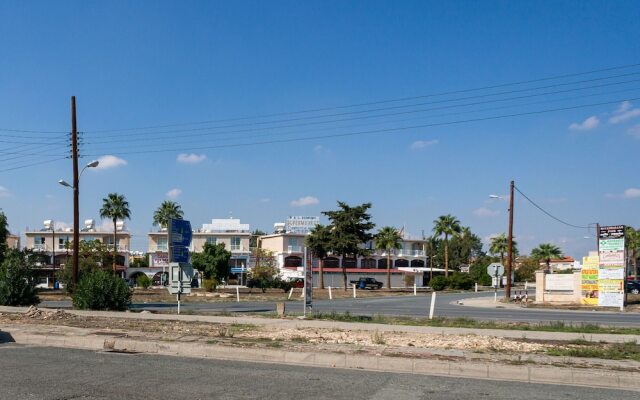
(633, 287)
(297, 282)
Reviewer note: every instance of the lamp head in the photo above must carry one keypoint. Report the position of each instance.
(93, 164)
(64, 183)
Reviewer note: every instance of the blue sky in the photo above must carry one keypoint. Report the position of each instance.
(140, 64)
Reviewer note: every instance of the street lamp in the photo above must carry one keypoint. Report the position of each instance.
(76, 216)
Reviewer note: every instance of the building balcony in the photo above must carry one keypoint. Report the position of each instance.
(294, 249)
(400, 253)
(119, 248)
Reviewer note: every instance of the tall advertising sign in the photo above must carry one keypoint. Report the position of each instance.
(301, 224)
(590, 265)
(611, 269)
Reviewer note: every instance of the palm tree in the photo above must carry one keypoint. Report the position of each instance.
(115, 207)
(499, 245)
(167, 210)
(446, 225)
(432, 244)
(388, 238)
(546, 251)
(319, 242)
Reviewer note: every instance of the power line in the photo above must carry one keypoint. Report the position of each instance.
(548, 213)
(31, 164)
(381, 130)
(379, 101)
(129, 134)
(180, 139)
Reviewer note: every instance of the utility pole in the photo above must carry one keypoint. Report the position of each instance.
(507, 292)
(76, 193)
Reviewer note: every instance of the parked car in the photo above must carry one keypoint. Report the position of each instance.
(633, 287)
(367, 283)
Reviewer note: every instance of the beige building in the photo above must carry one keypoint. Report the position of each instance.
(58, 242)
(230, 232)
(13, 242)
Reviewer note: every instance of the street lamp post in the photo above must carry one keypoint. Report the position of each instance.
(76, 215)
(509, 266)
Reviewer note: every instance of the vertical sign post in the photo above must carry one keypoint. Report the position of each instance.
(611, 270)
(180, 270)
(308, 283)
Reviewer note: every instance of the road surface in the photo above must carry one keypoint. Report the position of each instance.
(56, 373)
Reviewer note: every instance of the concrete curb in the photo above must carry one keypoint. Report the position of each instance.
(611, 379)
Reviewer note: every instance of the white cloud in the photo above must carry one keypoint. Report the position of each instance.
(625, 116)
(265, 200)
(109, 161)
(305, 201)
(4, 192)
(484, 212)
(421, 144)
(590, 123)
(173, 193)
(631, 193)
(634, 131)
(625, 106)
(190, 158)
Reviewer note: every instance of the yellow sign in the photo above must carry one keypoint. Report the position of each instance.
(590, 280)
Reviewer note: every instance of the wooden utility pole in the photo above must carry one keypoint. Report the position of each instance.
(76, 193)
(507, 292)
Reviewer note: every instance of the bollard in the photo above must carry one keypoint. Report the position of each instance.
(280, 309)
(330, 295)
(526, 284)
(238, 294)
(290, 293)
(433, 305)
(526, 297)
(354, 290)
(476, 287)
(415, 290)
(495, 297)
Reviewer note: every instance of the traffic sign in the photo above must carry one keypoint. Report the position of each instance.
(495, 269)
(180, 277)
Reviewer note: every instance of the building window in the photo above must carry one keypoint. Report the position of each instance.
(212, 240)
(293, 241)
(162, 243)
(88, 239)
(38, 240)
(235, 243)
(62, 242)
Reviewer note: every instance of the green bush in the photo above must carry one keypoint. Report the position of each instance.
(102, 290)
(209, 285)
(460, 281)
(143, 281)
(17, 287)
(438, 283)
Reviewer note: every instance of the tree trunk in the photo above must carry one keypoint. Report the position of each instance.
(115, 244)
(320, 272)
(446, 256)
(502, 258)
(344, 276)
(388, 269)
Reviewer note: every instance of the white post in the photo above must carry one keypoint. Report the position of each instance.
(476, 287)
(415, 290)
(495, 297)
(178, 297)
(330, 295)
(526, 284)
(238, 294)
(433, 305)
(290, 293)
(354, 290)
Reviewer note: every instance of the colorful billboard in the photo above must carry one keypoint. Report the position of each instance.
(590, 266)
(611, 271)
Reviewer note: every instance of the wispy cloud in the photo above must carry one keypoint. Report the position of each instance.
(634, 131)
(173, 193)
(265, 200)
(625, 112)
(305, 201)
(108, 161)
(588, 124)
(421, 144)
(4, 192)
(631, 193)
(322, 150)
(191, 158)
(484, 212)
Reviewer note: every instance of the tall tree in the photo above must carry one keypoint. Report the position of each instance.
(4, 232)
(500, 245)
(115, 207)
(388, 238)
(167, 210)
(545, 252)
(350, 228)
(446, 225)
(319, 242)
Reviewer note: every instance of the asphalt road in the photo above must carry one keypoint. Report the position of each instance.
(412, 306)
(56, 373)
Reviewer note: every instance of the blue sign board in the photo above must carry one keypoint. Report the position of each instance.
(179, 232)
(179, 254)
